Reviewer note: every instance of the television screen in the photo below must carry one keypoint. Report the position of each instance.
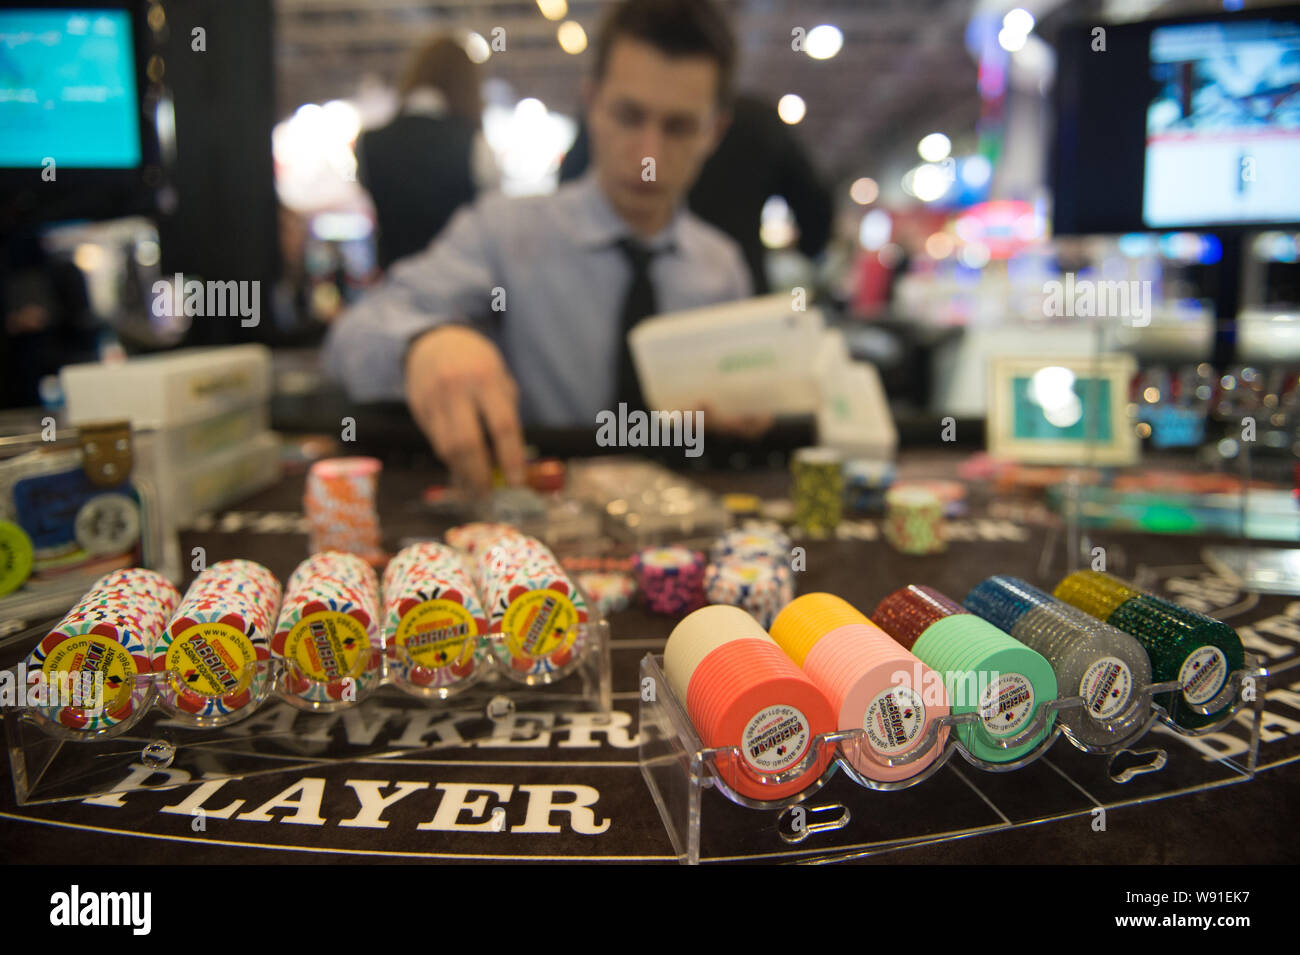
(1186, 123)
(68, 89)
(1223, 129)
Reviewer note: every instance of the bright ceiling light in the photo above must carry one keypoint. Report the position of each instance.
(1018, 21)
(875, 229)
(976, 171)
(1011, 42)
(530, 108)
(572, 37)
(864, 191)
(939, 245)
(553, 9)
(824, 42)
(476, 48)
(930, 182)
(791, 108)
(934, 148)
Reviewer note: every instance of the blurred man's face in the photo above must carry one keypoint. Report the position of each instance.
(653, 120)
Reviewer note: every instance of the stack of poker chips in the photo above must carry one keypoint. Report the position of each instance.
(741, 690)
(871, 682)
(914, 520)
(328, 635)
(215, 648)
(1106, 667)
(339, 503)
(818, 489)
(93, 667)
(610, 591)
(434, 624)
(1197, 651)
(536, 616)
(865, 484)
(750, 570)
(476, 537)
(671, 579)
(985, 670)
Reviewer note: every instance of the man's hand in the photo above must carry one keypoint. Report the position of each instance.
(457, 382)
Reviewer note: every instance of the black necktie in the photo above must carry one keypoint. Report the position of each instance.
(638, 303)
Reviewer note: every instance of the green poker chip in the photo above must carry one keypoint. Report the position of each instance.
(15, 557)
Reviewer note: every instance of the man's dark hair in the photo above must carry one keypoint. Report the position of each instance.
(674, 28)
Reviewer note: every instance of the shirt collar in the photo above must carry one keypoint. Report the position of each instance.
(599, 225)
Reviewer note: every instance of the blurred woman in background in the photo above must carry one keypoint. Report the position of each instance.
(432, 157)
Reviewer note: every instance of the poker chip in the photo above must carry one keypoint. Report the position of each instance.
(99, 654)
(216, 648)
(914, 520)
(742, 505)
(754, 541)
(758, 585)
(339, 502)
(610, 592)
(741, 690)
(328, 634)
(1105, 666)
(434, 624)
(546, 475)
(984, 670)
(908, 612)
(1198, 651)
(671, 579)
(951, 494)
(865, 484)
(478, 536)
(537, 617)
(15, 557)
(870, 681)
(1096, 594)
(817, 489)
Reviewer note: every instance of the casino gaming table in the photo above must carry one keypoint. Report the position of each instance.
(549, 787)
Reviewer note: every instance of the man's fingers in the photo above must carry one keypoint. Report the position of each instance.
(461, 441)
(497, 402)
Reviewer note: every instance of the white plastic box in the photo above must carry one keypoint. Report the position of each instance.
(200, 416)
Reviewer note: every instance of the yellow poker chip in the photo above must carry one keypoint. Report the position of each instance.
(742, 503)
(15, 557)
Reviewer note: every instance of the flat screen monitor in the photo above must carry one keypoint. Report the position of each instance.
(68, 89)
(1188, 123)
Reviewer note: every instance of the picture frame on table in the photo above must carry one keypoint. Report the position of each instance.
(1062, 410)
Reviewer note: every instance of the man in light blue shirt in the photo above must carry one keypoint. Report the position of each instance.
(519, 310)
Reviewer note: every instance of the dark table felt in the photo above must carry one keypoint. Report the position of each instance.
(1249, 823)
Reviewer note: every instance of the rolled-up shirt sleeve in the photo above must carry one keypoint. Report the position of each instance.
(450, 281)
